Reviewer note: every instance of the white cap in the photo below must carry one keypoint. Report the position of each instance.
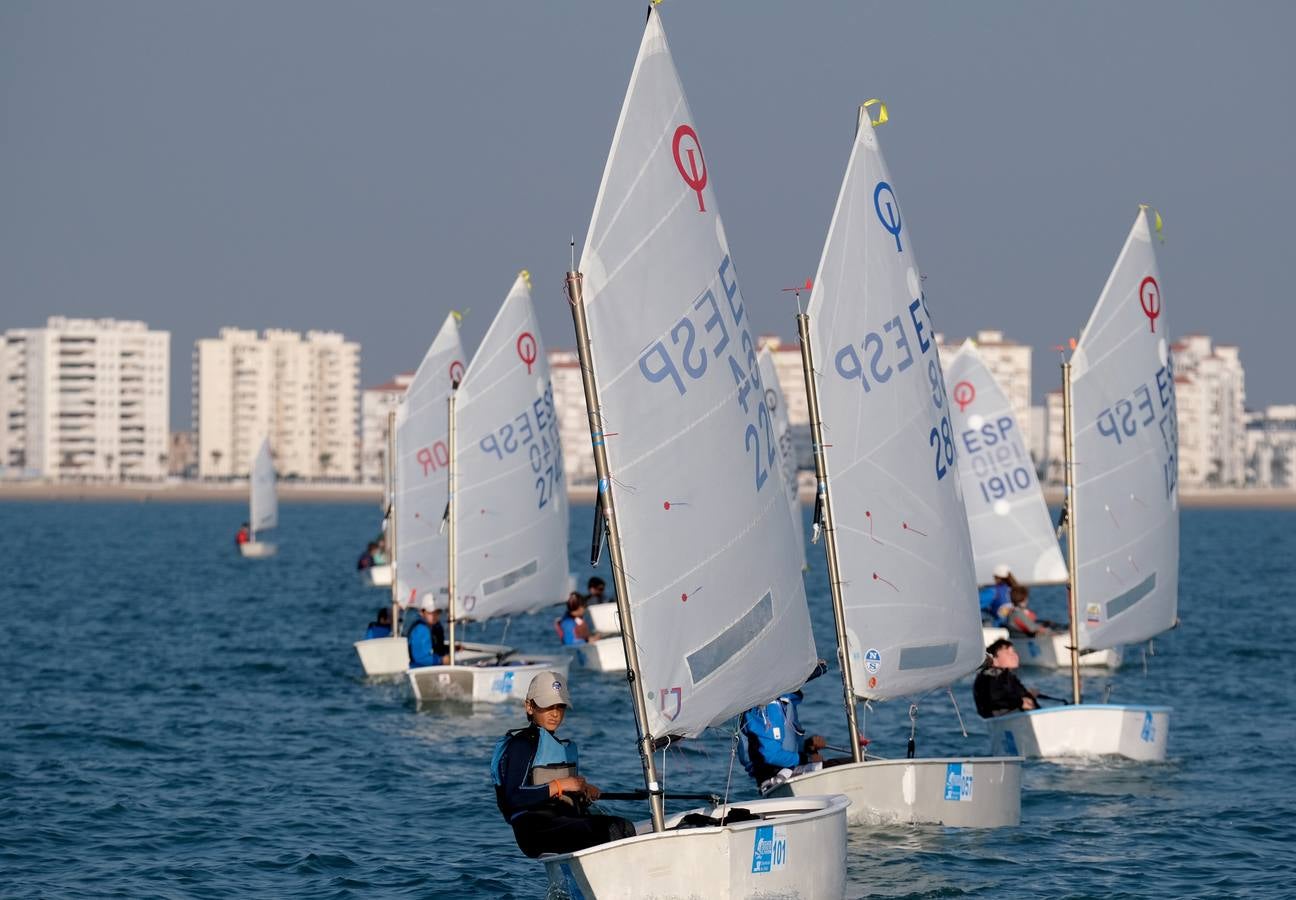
(428, 603)
(1001, 571)
(548, 689)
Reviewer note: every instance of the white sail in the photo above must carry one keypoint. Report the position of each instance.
(1126, 457)
(511, 523)
(422, 456)
(716, 594)
(1005, 505)
(263, 502)
(776, 403)
(902, 534)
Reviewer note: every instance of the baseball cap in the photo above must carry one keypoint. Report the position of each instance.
(1001, 571)
(549, 689)
(428, 603)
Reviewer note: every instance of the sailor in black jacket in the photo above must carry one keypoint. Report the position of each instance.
(997, 689)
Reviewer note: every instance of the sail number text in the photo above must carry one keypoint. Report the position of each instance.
(1148, 406)
(998, 459)
(714, 331)
(535, 432)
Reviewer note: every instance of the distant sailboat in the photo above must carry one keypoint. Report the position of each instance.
(263, 504)
(890, 506)
(507, 518)
(1007, 515)
(712, 605)
(1122, 447)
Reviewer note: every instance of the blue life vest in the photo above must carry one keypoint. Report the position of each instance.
(569, 636)
(992, 597)
(409, 643)
(554, 758)
(377, 631)
(758, 723)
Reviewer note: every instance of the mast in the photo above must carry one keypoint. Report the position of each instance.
(829, 533)
(575, 294)
(450, 515)
(1073, 604)
(390, 474)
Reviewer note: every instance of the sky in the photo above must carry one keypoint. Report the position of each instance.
(365, 167)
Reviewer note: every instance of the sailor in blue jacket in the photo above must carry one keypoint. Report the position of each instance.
(381, 626)
(537, 786)
(426, 637)
(996, 598)
(773, 739)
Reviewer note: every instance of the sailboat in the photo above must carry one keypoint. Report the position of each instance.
(380, 575)
(890, 507)
(776, 403)
(1122, 489)
(1007, 515)
(263, 504)
(506, 521)
(387, 655)
(690, 491)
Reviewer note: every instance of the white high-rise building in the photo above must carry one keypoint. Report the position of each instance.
(1271, 447)
(375, 404)
(1054, 448)
(85, 398)
(1210, 390)
(1010, 363)
(573, 420)
(302, 393)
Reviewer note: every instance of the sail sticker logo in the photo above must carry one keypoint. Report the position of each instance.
(872, 661)
(663, 700)
(527, 349)
(1093, 614)
(771, 399)
(1150, 300)
(1010, 744)
(958, 781)
(769, 850)
(964, 394)
(456, 372)
(1148, 734)
(695, 175)
(503, 684)
(891, 218)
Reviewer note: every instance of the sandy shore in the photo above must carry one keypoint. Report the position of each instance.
(200, 492)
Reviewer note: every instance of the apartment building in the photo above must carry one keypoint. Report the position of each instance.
(85, 399)
(1010, 364)
(301, 392)
(375, 403)
(1210, 389)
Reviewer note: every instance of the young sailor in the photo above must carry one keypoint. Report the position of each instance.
(537, 786)
(572, 627)
(426, 637)
(997, 689)
(243, 535)
(381, 626)
(996, 597)
(774, 746)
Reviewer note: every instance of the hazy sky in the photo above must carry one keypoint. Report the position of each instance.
(365, 167)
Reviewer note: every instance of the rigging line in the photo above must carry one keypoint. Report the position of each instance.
(957, 712)
(733, 754)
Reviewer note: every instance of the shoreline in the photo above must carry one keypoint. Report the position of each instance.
(237, 492)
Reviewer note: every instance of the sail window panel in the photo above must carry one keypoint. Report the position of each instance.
(720, 649)
(931, 656)
(1122, 602)
(508, 579)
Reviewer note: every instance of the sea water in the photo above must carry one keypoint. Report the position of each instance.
(179, 721)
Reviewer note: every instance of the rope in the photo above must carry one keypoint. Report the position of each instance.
(733, 754)
(913, 729)
(962, 727)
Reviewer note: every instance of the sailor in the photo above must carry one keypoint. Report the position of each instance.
(537, 783)
(773, 746)
(572, 627)
(996, 597)
(997, 689)
(596, 589)
(366, 560)
(381, 626)
(426, 637)
(1019, 618)
(243, 535)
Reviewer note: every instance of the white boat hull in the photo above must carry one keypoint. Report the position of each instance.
(603, 618)
(383, 656)
(1050, 651)
(607, 654)
(1089, 730)
(257, 549)
(469, 683)
(958, 792)
(796, 849)
(378, 576)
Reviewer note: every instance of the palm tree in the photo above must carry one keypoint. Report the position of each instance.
(216, 458)
(324, 460)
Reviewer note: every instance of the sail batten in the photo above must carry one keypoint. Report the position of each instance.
(908, 583)
(715, 592)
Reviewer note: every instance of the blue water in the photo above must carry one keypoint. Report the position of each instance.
(177, 721)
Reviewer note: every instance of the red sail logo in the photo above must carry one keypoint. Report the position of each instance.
(694, 171)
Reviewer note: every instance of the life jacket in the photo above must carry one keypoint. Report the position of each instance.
(992, 598)
(409, 641)
(572, 630)
(554, 758)
(756, 722)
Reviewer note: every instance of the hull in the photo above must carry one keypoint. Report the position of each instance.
(603, 618)
(257, 549)
(604, 655)
(1089, 730)
(796, 849)
(383, 656)
(958, 792)
(1051, 651)
(481, 683)
(378, 576)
